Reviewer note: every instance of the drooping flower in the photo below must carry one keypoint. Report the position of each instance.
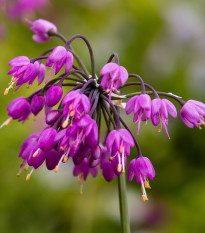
(83, 170)
(53, 95)
(141, 106)
(75, 104)
(193, 113)
(105, 164)
(160, 110)
(118, 143)
(114, 76)
(142, 169)
(41, 27)
(37, 104)
(59, 57)
(19, 109)
(52, 116)
(52, 158)
(24, 71)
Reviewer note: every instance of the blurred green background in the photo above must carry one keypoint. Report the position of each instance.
(164, 42)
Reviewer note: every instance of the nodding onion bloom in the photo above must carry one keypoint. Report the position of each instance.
(83, 123)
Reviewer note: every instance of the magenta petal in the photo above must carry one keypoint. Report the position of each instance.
(19, 61)
(170, 107)
(123, 75)
(130, 170)
(108, 68)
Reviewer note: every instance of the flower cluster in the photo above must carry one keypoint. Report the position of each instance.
(74, 116)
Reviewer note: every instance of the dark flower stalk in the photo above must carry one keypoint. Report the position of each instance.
(74, 116)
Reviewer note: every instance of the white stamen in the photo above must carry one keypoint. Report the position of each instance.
(143, 188)
(6, 122)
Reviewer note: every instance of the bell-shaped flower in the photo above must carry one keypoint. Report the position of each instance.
(75, 105)
(52, 116)
(105, 164)
(141, 106)
(19, 109)
(36, 159)
(37, 104)
(193, 113)
(59, 57)
(118, 143)
(52, 159)
(159, 112)
(114, 76)
(41, 27)
(53, 95)
(142, 169)
(83, 170)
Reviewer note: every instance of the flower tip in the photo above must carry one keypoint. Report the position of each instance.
(56, 169)
(80, 193)
(65, 124)
(6, 91)
(17, 174)
(65, 159)
(28, 177)
(144, 198)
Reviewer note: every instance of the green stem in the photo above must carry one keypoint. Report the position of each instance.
(125, 224)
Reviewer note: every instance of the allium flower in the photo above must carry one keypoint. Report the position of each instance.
(24, 71)
(114, 76)
(75, 104)
(83, 170)
(41, 27)
(118, 143)
(105, 165)
(53, 95)
(37, 104)
(142, 169)
(19, 109)
(52, 159)
(58, 57)
(52, 116)
(192, 113)
(160, 110)
(141, 106)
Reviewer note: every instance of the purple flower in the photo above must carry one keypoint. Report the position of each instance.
(24, 71)
(141, 106)
(19, 109)
(118, 143)
(83, 170)
(52, 159)
(41, 27)
(75, 104)
(53, 95)
(37, 104)
(47, 139)
(58, 57)
(52, 116)
(36, 159)
(105, 165)
(114, 76)
(142, 169)
(192, 113)
(160, 110)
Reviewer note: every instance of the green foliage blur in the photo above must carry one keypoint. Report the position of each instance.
(163, 41)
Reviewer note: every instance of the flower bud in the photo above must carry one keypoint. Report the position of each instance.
(37, 104)
(53, 95)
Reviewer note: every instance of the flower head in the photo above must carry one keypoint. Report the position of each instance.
(142, 169)
(59, 57)
(41, 27)
(141, 106)
(118, 143)
(192, 113)
(160, 110)
(114, 76)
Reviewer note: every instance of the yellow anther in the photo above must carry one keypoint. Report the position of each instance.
(144, 198)
(81, 193)
(111, 158)
(7, 122)
(72, 113)
(159, 130)
(25, 169)
(65, 124)
(56, 169)
(35, 153)
(62, 148)
(65, 159)
(6, 91)
(121, 148)
(146, 184)
(200, 128)
(13, 79)
(28, 177)
(70, 107)
(119, 167)
(73, 142)
(123, 171)
(17, 174)
(78, 117)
